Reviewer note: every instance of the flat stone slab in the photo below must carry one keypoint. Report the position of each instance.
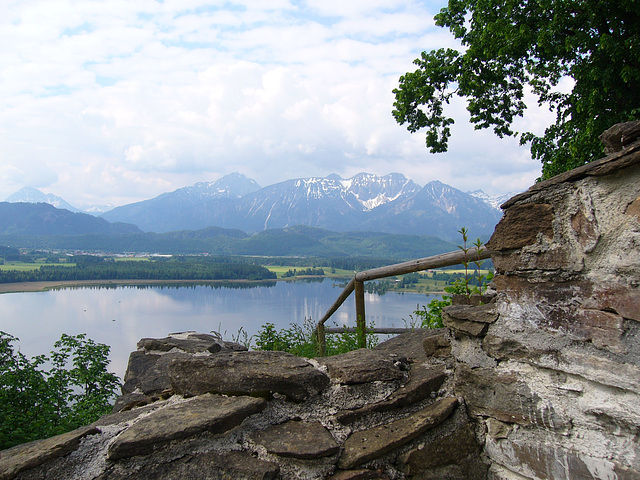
(361, 474)
(147, 372)
(369, 444)
(201, 466)
(425, 379)
(362, 366)
(297, 439)
(470, 320)
(189, 342)
(255, 373)
(409, 345)
(206, 413)
(450, 449)
(29, 455)
(436, 346)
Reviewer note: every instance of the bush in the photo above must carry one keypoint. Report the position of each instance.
(35, 402)
(302, 340)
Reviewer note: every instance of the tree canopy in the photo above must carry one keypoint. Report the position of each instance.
(510, 46)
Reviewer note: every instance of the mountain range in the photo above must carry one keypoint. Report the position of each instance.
(365, 202)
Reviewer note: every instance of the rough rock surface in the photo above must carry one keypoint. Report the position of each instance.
(363, 366)
(206, 413)
(297, 439)
(554, 379)
(33, 454)
(247, 373)
(374, 442)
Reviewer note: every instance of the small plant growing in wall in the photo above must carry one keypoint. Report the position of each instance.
(431, 314)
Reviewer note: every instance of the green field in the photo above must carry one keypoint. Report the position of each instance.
(280, 270)
(23, 267)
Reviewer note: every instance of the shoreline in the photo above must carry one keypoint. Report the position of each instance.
(24, 287)
(27, 287)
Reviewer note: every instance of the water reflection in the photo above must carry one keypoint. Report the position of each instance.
(120, 316)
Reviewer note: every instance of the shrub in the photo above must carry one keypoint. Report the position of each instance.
(36, 402)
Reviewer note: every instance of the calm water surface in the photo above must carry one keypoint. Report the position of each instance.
(120, 317)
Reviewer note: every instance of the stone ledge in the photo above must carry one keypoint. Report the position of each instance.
(30, 455)
(207, 413)
(425, 380)
(372, 443)
(470, 320)
(363, 366)
(256, 373)
(296, 439)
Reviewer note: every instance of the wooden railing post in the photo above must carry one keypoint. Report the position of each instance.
(322, 340)
(361, 319)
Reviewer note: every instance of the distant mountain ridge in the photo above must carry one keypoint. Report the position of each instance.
(45, 219)
(494, 200)
(33, 195)
(365, 202)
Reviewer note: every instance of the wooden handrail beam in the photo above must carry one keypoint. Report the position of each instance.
(436, 261)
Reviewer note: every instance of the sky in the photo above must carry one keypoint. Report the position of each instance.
(113, 102)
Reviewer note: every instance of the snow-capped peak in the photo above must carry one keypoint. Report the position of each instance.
(494, 200)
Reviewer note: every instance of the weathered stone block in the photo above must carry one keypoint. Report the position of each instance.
(470, 320)
(296, 439)
(498, 395)
(362, 366)
(254, 373)
(586, 230)
(372, 443)
(497, 429)
(201, 466)
(436, 346)
(508, 348)
(620, 135)
(633, 209)
(474, 299)
(541, 460)
(408, 345)
(620, 298)
(558, 262)
(449, 449)
(604, 329)
(206, 413)
(30, 455)
(360, 474)
(521, 226)
(424, 381)
(479, 314)
(189, 342)
(148, 373)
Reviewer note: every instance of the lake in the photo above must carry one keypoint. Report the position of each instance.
(121, 316)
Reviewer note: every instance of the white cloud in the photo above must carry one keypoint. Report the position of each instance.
(120, 101)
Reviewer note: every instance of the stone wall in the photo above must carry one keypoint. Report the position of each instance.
(196, 407)
(551, 367)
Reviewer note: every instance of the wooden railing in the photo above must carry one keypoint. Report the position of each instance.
(356, 284)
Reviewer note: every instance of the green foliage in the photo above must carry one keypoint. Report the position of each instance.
(301, 340)
(511, 46)
(49, 395)
(430, 316)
